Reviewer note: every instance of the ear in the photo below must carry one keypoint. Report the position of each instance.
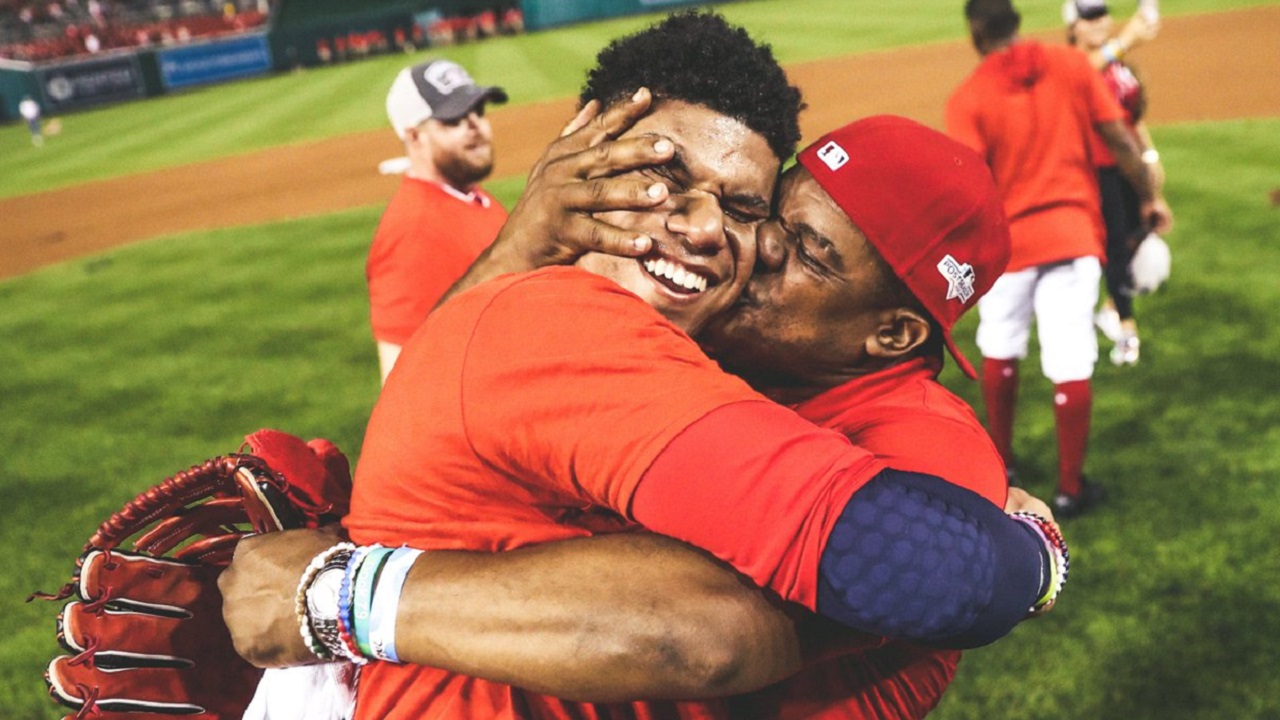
(901, 330)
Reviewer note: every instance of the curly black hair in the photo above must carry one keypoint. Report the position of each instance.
(993, 20)
(699, 58)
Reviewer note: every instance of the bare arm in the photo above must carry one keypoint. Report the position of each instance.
(1139, 30)
(552, 223)
(603, 619)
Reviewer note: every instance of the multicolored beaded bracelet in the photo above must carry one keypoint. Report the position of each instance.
(346, 637)
(1059, 555)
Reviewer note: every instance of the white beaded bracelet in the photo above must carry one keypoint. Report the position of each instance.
(313, 569)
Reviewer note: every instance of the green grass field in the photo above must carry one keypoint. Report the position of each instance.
(122, 368)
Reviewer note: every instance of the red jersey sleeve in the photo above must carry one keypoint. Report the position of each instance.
(573, 382)
(760, 488)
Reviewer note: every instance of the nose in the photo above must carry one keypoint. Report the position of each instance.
(771, 242)
(696, 216)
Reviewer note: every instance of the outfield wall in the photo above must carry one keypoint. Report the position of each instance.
(298, 29)
(542, 14)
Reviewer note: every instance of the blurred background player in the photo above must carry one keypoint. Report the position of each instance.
(1091, 29)
(30, 111)
(1031, 111)
(440, 220)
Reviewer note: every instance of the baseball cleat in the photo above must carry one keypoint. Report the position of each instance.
(1067, 506)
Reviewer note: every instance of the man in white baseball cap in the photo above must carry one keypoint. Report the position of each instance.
(437, 89)
(440, 220)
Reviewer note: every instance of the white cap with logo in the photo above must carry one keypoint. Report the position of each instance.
(437, 89)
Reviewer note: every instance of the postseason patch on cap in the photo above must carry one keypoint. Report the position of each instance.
(960, 278)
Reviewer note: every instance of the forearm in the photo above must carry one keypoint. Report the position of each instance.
(1136, 31)
(1124, 148)
(840, 538)
(603, 619)
(1151, 157)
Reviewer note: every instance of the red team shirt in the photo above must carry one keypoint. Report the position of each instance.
(1010, 111)
(428, 236)
(548, 363)
(912, 423)
(1127, 90)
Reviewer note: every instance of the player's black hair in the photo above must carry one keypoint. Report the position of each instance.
(699, 58)
(992, 20)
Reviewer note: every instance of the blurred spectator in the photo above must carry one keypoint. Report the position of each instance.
(30, 111)
(1091, 29)
(42, 30)
(513, 21)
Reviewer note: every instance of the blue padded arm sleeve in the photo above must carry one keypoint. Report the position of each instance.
(916, 558)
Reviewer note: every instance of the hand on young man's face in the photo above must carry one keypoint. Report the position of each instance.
(674, 196)
(717, 186)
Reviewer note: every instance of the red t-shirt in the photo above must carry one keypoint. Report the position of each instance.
(1030, 110)
(504, 424)
(912, 423)
(428, 236)
(1127, 89)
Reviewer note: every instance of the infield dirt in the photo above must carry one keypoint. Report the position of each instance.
(1196, 71)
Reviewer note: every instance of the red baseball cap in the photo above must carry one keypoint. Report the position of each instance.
(927, 203)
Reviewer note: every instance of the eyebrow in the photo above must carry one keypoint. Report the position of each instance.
(679, 167)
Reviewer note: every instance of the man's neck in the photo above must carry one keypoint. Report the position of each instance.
(420, 169)
(795, 390)
(986, 47)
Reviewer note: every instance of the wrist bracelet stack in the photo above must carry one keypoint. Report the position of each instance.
(316, 594)
(1056, 548)
(347, 601)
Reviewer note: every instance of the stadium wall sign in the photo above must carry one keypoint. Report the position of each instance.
(542, 14)
(215, 61)
(69, 86)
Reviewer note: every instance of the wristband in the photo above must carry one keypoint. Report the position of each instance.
(362, 598)
(1059, 556)
(386, 603)
(1111, 51)
(1150, 156)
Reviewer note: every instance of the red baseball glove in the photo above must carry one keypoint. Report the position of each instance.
(146, 628)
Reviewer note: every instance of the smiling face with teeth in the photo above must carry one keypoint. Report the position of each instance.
(719, 184)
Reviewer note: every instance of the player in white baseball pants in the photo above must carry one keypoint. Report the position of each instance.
(1060, 297)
